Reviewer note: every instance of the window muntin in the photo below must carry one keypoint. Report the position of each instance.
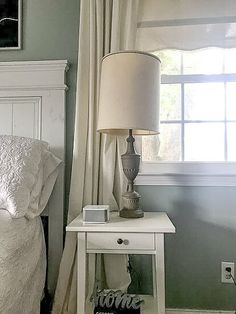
(198, 108)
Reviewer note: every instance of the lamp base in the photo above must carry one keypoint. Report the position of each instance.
(130, 163)
(131, 205)
(129, 213)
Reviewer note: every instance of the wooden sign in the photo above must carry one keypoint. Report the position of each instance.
(116, 302)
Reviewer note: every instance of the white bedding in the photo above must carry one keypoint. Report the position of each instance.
(22, 264)
(28, 171)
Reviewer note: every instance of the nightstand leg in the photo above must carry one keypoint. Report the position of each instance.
(154, 278)
(160, 273)
(81, 272)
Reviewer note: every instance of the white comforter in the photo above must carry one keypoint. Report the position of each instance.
(22, 264)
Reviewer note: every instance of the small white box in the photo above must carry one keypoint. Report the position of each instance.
(96, 214)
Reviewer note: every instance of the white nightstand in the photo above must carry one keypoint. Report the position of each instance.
(124, 236)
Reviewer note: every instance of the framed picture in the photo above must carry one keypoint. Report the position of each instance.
(10, 24)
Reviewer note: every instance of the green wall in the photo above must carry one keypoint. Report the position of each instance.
(205, 220)
(50, 31)
(205, 217)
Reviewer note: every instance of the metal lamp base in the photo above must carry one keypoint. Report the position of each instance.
(130, 162)
(131, 205)
(127, 213)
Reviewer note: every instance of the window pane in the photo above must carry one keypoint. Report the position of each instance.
(166, 146)
(204, 101)
(231, 101)
(170, 102)
(170, 142)
(204, 141)
(230, 60)
(170, 61)
(150, 148)
(231, 131)
(204, 61)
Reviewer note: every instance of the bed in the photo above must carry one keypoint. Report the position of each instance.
(32, 105)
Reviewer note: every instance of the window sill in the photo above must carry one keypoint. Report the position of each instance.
(187, 174)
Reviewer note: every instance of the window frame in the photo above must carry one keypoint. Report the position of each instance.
(186, 173)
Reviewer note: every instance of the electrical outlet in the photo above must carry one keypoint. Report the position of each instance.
(225, 275)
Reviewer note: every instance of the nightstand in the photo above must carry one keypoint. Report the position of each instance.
(124, 236)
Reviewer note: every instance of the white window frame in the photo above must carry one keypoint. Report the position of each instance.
(189, 173)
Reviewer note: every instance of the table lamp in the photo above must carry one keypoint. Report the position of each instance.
(129, 105)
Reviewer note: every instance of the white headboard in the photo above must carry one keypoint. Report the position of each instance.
(32, 104)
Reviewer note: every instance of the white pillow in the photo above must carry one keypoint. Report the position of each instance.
(28, 171)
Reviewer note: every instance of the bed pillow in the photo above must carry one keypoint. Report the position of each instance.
(28, 171)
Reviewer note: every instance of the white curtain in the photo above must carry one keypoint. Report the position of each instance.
(105, 26)
(186, 24)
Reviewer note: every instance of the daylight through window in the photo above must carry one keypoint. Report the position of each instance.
(198, 107)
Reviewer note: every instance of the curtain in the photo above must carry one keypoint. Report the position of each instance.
(105, 26)
(186, 24)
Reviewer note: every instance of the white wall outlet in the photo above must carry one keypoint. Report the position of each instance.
(225, 275)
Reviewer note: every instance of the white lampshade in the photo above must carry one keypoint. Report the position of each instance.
(129, 93)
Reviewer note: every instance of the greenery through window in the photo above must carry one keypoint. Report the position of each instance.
(198, 107)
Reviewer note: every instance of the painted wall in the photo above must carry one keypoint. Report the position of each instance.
(205, 219)
(50, 31)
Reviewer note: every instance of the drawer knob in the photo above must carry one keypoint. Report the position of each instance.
(125, 242)
(119, 241)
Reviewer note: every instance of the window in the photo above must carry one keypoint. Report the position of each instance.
(197, 116)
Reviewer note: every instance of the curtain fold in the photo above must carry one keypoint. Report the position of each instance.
(97, 177)
(186, 24)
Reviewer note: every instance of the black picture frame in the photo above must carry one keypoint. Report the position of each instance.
(10, 24)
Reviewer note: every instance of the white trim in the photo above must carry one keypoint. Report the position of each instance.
(193, 311)
(188, 174)
(197, 78)
(36, 87)
(185, 180)
(34, 65)
(36, 117)
(187, 21)
(30, 75)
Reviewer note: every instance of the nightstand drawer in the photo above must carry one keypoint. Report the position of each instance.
(120, 241)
